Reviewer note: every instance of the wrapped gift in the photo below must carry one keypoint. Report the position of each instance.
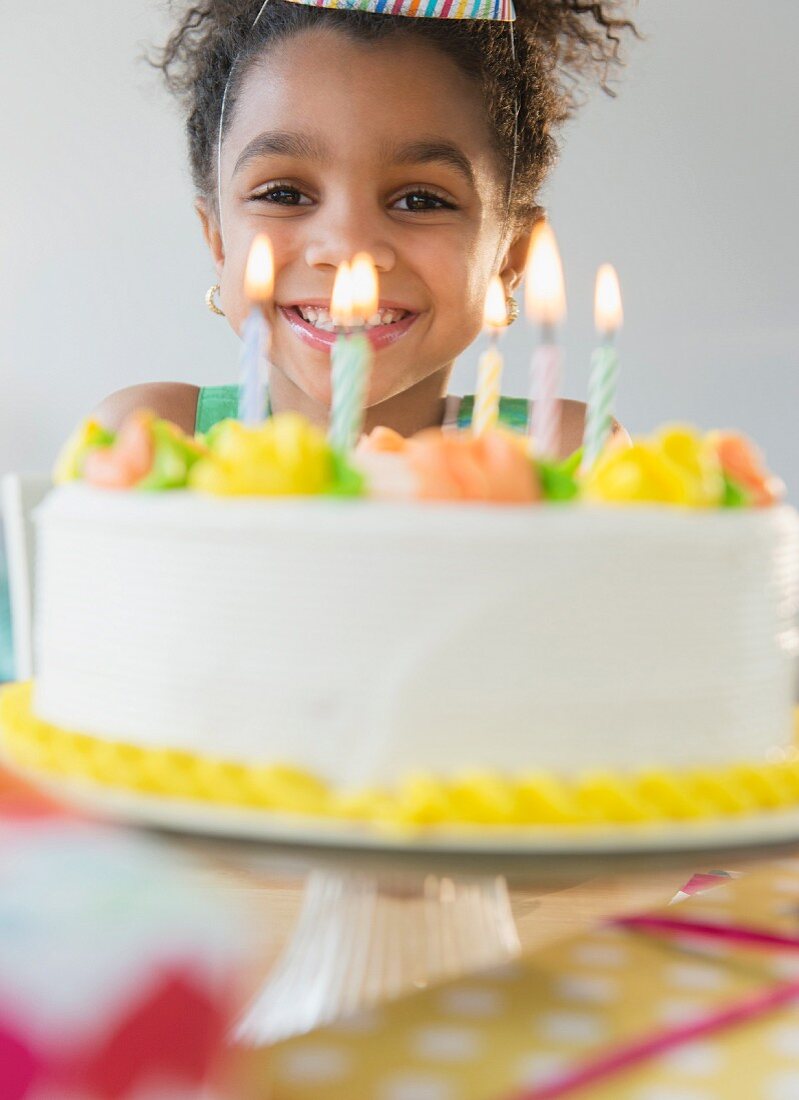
(698, 1001)
(117, 970)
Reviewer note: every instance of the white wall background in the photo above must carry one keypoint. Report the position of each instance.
(688, 182)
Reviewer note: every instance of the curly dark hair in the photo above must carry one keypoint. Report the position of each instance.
(531, 81)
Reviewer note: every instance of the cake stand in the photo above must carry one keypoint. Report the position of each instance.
(384, 913)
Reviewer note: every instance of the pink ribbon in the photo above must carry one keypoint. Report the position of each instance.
(707, 930)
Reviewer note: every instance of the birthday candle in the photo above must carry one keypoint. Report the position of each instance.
(604, 365)
(259, 281)
(354, 299)
(545, 299)
(491, 363)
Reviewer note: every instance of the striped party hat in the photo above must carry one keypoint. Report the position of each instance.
(499, 11)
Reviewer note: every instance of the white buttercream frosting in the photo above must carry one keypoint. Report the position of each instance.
(365, 641)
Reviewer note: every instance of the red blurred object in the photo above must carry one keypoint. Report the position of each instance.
(20, 800)
(174, 1034)
(19, 1067)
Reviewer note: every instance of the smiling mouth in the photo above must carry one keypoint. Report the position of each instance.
(319, 317)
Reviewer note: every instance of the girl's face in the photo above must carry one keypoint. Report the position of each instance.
(337, 147)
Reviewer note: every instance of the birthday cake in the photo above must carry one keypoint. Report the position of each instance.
(435, 630)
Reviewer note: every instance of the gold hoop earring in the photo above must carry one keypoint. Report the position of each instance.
(512, 307)
(209, 300)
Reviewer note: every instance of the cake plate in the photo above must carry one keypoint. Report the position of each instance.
(386, 912)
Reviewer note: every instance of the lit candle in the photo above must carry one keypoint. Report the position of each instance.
(490, 366)
(545, 299)
(602, 384)
(604, 365)
(355, 298)
(259, 282)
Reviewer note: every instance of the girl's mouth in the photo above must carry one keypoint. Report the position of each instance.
(313, 324)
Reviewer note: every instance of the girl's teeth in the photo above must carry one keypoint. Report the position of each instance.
(320, 317)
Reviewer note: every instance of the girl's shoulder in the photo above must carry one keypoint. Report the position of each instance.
(175, 401)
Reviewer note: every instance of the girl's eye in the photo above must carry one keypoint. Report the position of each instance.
(282, 194)
(420, 201)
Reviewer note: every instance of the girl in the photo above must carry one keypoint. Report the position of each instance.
(423, 141)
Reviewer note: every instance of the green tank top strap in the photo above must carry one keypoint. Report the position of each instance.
(513, 412)
(215, 403)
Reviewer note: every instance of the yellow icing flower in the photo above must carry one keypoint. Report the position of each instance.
(677, 466)
(283, 456)
(87, 437)
(694, 455)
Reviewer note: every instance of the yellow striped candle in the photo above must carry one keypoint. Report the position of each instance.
(491, 363)
(608, 316)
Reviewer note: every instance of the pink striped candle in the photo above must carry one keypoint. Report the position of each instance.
(545, 416)
(545, 299)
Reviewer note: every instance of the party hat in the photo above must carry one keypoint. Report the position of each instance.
(499, 11)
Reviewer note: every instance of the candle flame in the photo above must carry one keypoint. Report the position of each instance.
(545, 296)
(364, 287)
(608, 313)
(341, 301)
(495, 312)
(259, 277)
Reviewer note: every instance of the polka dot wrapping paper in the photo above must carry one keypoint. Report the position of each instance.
(727, 957)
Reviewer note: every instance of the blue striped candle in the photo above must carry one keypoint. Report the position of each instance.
(259, 281)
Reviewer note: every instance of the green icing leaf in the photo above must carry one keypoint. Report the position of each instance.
(347, 481)
(734, 495)
(173, 457)
(559, 479)
(571, 464)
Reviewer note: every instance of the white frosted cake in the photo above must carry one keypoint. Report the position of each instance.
(509, 642)
(366, 641)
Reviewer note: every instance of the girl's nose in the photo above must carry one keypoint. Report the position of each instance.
(334, 244)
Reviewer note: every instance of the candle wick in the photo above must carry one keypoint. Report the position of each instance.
(547, 333)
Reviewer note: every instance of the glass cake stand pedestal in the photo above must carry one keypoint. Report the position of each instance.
(363, 937)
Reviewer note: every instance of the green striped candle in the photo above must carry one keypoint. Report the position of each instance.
(604, 377)
(354, 298)
(351, 363)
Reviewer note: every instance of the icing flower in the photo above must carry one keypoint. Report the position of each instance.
(284, 456)
(146, 454)
(493, 467)
(434, 465)
(89, 436)
(677, 466)
(128, 460)
(745, 468)
(382, 440)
